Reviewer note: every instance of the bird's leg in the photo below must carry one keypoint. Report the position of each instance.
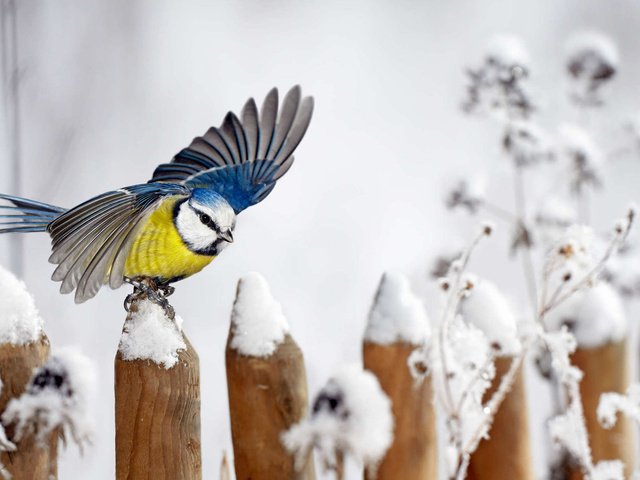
(145, 287)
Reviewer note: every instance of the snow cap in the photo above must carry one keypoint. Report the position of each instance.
(351, 414)
(397, 315)
(59, 395)
(20, 321)
(595, 316)
(487, 309)
(593, 43)
(507, 50)
(149, 334)
(257, 322)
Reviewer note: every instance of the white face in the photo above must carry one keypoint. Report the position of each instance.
(206, 230)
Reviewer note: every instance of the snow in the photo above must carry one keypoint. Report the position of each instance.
(595, 43)
(572, 256)
(527, 143)
(566, 432)
(575, 140)
(612, 402)
(508, 50)
(397, 315)
(20, 321)
(594, 315)
(351, 414)
(553, 217)
(608, 470)
(487, 309)
(468, 374)
(258, 324)
(59, 394)
(149, 334)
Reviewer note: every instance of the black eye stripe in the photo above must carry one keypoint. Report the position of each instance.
(208, 221)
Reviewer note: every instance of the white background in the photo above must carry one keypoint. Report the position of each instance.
(111, 89)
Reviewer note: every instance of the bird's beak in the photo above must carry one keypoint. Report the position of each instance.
(227, 236)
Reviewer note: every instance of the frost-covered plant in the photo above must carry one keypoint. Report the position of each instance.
(527, 144)
(350, 415)
(612, 403)
(58, 398)
(461, 358)
(592, 62)
(498, 84)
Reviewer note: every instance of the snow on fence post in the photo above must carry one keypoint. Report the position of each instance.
(267, 385)
(397, 325)
(488, 310)
(23, 348)
(157, 397)
(596, 317)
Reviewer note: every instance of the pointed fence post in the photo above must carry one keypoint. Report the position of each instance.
(487, 309)
(509, 434)
(17, 363)
(597, 318)
(24, 347)
(266, 383)
(397, 325)
(606, 369)
(157, 396)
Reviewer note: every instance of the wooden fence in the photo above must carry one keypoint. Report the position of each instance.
(158, 415)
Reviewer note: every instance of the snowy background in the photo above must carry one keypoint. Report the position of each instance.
(111, 89)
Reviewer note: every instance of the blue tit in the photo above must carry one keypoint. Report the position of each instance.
(177, 223)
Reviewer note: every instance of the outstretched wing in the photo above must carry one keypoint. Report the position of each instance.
(91, 242)
(243, 159)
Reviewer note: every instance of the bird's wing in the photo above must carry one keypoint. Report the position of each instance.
(91, 242)
(244, 157)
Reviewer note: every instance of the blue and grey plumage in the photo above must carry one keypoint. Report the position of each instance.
(243, 160)
(238, 163)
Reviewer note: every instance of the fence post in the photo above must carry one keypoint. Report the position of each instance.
(509, 433)
(17, 363)
(397, 325)
(157, 399)
(606, 369)
(23, 347)
(267, 385)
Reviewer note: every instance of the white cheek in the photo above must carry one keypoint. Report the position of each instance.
(193, 231)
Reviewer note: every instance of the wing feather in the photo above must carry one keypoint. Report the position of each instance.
(268, 118)
(91, 241)
(251, 128)
(287, 116)
(243, 159)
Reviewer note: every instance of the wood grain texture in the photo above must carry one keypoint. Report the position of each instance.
(506, 454)
(266, 396)
(414, 452)
(158, 419)
(30, 461)
(606, 369)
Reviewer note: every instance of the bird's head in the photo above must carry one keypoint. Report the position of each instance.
(205, 222)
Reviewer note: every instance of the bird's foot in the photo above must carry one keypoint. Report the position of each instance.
(145, 287)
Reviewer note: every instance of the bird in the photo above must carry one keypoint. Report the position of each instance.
(154, 234)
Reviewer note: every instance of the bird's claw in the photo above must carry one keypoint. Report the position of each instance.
(146, 288)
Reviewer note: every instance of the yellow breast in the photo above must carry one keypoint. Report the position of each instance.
(159, 252)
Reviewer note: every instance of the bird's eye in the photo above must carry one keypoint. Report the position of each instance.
(204, 218)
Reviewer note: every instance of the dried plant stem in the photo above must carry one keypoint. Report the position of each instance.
(451, 307)
(525, 252)
(339, 465)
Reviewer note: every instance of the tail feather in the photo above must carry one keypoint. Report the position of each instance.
(24, 215)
